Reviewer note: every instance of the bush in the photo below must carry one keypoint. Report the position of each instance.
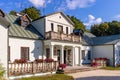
(2, 72)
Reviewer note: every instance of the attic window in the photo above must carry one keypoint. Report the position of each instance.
(59, 16)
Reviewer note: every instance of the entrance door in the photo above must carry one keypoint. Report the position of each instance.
(64, 56)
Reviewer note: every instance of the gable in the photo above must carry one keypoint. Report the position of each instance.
(59, 18)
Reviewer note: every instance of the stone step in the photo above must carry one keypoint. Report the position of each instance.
(78, 70)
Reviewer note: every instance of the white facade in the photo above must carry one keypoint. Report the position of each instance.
(58, 19)
(35, 48)
(4, 46)
(104, 51)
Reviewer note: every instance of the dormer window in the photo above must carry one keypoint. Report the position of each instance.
(25, 21)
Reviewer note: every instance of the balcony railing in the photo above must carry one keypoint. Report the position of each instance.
(16, 69)
(61, 36)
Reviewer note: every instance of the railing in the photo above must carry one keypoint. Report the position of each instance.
(16, 69)
(60, 36)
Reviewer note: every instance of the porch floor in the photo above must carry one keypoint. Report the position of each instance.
(75, 69)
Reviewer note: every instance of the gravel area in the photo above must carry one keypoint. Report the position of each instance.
(97, 75)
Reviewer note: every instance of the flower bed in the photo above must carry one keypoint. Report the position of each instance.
(99, 62)
(20, 61)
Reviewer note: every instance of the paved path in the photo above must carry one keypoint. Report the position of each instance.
(97, 75)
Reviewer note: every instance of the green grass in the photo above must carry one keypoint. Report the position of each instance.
(111, 68)
(50, 77)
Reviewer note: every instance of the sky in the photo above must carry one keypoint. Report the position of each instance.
(88, 11)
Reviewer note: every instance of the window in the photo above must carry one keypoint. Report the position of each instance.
(89, 55)
(66, 30)
(60, 29)
(52, 27)
(25, 53)
(83, 54)
(8, 53)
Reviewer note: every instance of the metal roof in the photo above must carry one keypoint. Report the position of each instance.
(16, 30)
(113, 39)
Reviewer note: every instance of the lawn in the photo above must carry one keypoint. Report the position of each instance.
(111, 68)
(50, 77)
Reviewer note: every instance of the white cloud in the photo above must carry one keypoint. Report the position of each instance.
(40, 3)
(117, 16)
(73, 4)
(92, 20)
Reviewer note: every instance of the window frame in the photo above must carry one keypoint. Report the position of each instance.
(89, 55)
(83, 52)
(27, 55)
(52, 27)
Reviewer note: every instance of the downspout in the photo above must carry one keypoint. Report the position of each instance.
(7, 53)
(113, 55)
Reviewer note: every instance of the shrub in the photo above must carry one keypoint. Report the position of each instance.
(2, 72)
(62, 66)
(49, 60)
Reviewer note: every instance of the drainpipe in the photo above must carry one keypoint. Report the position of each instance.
(113, 55)
(7, 53)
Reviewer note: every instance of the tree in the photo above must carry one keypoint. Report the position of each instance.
(13, 12)
(32, 12)
(106, 28)
(77, 22)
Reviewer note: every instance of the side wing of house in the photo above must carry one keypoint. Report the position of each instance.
(4, 46)
(104, 51)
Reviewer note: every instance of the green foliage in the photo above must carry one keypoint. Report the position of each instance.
(12, 12)
(77, 22)
(2, 72)
(50, 77)
(32, 12)
(106, 28)
(111, 68)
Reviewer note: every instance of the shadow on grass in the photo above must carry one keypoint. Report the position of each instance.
(100, 78)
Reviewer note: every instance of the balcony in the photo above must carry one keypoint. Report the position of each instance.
(17, 69)
(62, 37)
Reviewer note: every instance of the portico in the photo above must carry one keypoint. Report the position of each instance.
(64, 52)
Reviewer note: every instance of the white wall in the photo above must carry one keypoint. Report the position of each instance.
(117, 53)
(39, 25)
(3, 46)
(86, 48)
(104, 51)
(35, 48)
(58, 19)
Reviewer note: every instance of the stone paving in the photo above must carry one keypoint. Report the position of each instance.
(97, 75)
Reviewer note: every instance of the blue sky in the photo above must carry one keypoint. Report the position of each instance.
(88, 11)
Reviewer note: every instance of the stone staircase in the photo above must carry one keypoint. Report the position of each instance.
(75, 69)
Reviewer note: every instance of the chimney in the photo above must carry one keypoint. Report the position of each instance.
(2, 14)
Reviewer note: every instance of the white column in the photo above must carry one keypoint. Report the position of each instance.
(51, 51)
(73, 55)
(62, 55)
(80, 57)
